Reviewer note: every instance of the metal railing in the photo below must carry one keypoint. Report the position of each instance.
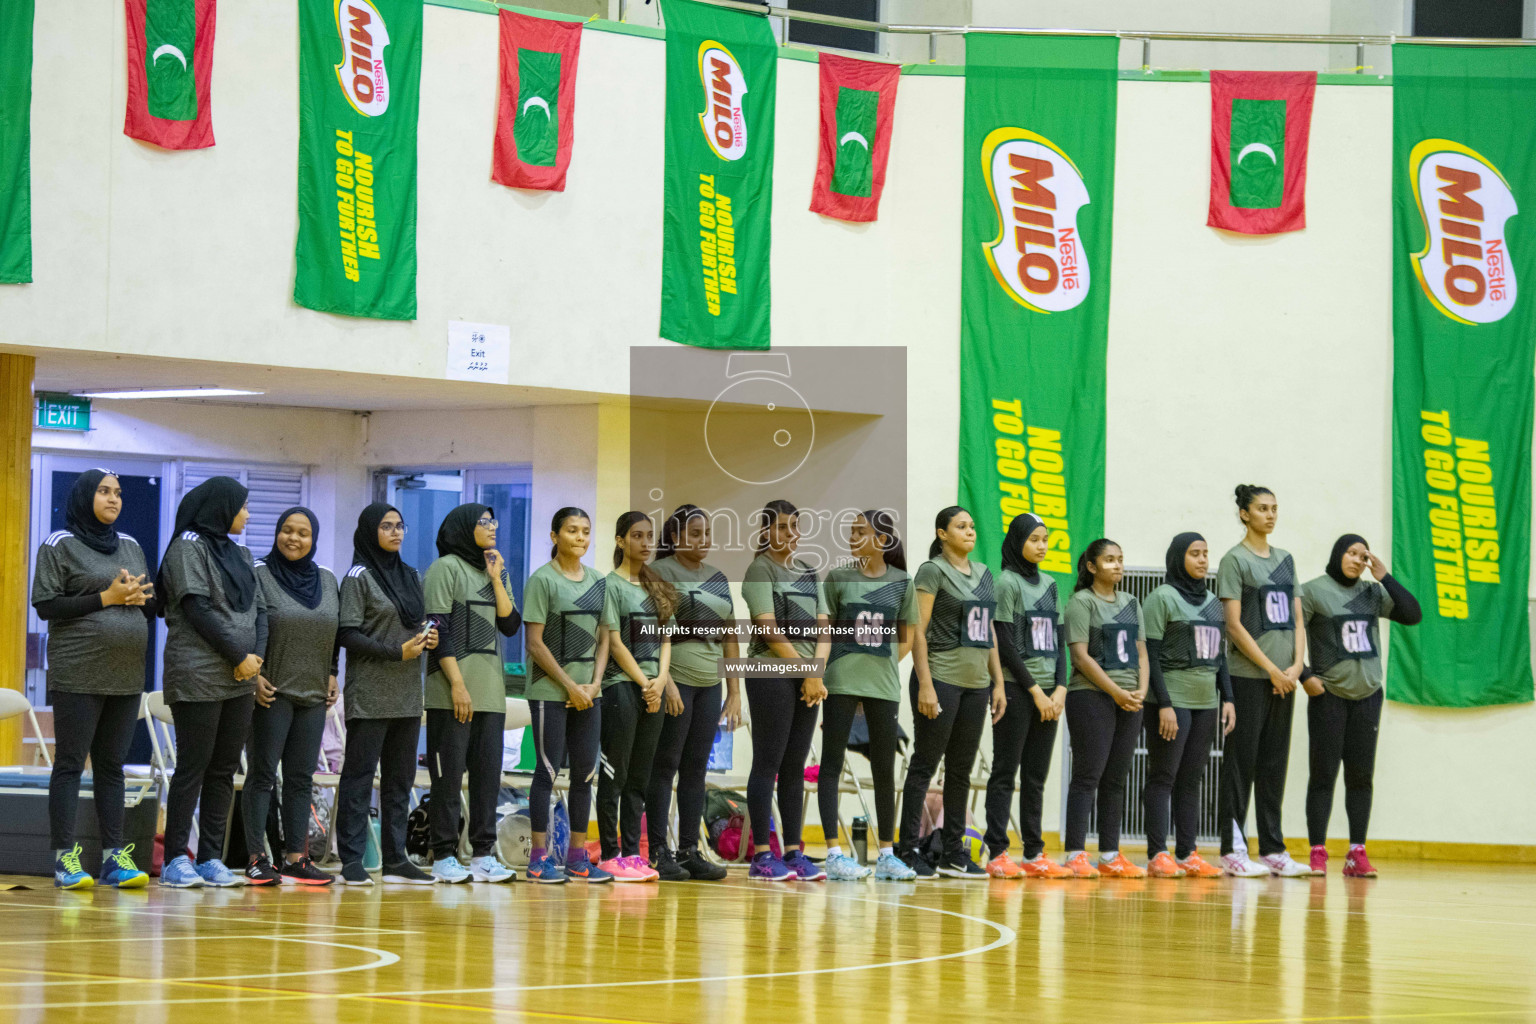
(1145, 37)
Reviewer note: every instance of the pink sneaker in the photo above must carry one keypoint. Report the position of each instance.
(1357, 864)
(1319, 860)
(621, 870)
(643, 866)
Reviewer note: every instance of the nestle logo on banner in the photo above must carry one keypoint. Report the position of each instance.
(1464, 201)
(363, 78)
(723, 121)
(1036, 190)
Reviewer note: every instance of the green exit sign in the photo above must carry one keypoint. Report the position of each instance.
(62, 412)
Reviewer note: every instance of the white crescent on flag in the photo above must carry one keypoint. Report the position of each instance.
(854, 136)
(161, 51)
(1256, 147)
(537, 101)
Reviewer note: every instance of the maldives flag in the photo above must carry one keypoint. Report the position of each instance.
(170, 66)
(536, 114)
(1260, 122)
(858, 107)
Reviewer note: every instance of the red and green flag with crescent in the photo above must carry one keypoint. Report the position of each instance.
(536, 109)
(858, 108)
(170, 71)
(1260, 125)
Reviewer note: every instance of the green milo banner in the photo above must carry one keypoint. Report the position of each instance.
(15, 141)
(1039, 169)
(1463, 198)
(721, 78)
(359, 73)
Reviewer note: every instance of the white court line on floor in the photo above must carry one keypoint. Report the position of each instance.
(1005, 936)
(384, 959)
(237, 918)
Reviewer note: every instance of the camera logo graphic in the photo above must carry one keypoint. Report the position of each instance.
(759, 429)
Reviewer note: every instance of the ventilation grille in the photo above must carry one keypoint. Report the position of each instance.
(273, 489)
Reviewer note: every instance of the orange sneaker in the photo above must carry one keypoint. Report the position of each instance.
(1002, 866)
(1043, 867)
(1081, 867)
(1119, 867)
(1164, 866)
(1196, 866)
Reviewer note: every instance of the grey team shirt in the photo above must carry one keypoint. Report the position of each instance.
(376, 688)
(300, 641)
(194, 671)
(99, 653)
(1265, 589)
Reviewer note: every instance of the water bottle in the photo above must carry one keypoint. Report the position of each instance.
(373, 859)
(860, 836)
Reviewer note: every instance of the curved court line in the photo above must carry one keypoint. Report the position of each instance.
(384, 959)
(1005, 936)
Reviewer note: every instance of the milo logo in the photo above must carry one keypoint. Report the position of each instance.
(723, 121)
(363, 78)
(1038, 256)
(1464, 202)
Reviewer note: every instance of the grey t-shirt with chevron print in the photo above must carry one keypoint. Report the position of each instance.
(1191, 645)
(1031, 612)
(461, 600)
(1110, 629)
(569, 611)
(959, 632)
(1343, 639)
(1265, 589)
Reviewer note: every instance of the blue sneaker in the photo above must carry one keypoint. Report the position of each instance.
(805, 869)
(843, 868)
(768, 868)
(546, 872)
(214, 873)
(119, 870)
(580, 867)
(67, 872)
(448, 869)
(889, 868)
(489, 869)
(180, 874)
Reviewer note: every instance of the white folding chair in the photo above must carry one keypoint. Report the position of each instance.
(13, 703)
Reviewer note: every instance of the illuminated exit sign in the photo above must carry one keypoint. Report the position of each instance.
(62, 412)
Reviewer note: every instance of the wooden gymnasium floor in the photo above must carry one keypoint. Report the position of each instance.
(1427, 942)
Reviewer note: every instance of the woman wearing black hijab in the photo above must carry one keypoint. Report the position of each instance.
(1343, 686)
(216, 622)
(91, 586)
(383, 628)
(1034, 666)
(1191, 690)
(296, 685)
(469, 593)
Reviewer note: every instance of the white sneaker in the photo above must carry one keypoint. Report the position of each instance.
(1239, 866)
(1281, 865)
(489, 869)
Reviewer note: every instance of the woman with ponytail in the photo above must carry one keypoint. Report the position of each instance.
(692, 697)
(1256, 584)
(636, 602)
(1104, 633)
(561, 605)
(954, 668)
(1029, 646)
(780, 594)
(865, 620)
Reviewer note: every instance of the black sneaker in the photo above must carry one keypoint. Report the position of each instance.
(304, 872)
(354, 874)
(960, 866)
(917, 862)
(406, 873)
(668, 868)
(699, 869)
(261, 872)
